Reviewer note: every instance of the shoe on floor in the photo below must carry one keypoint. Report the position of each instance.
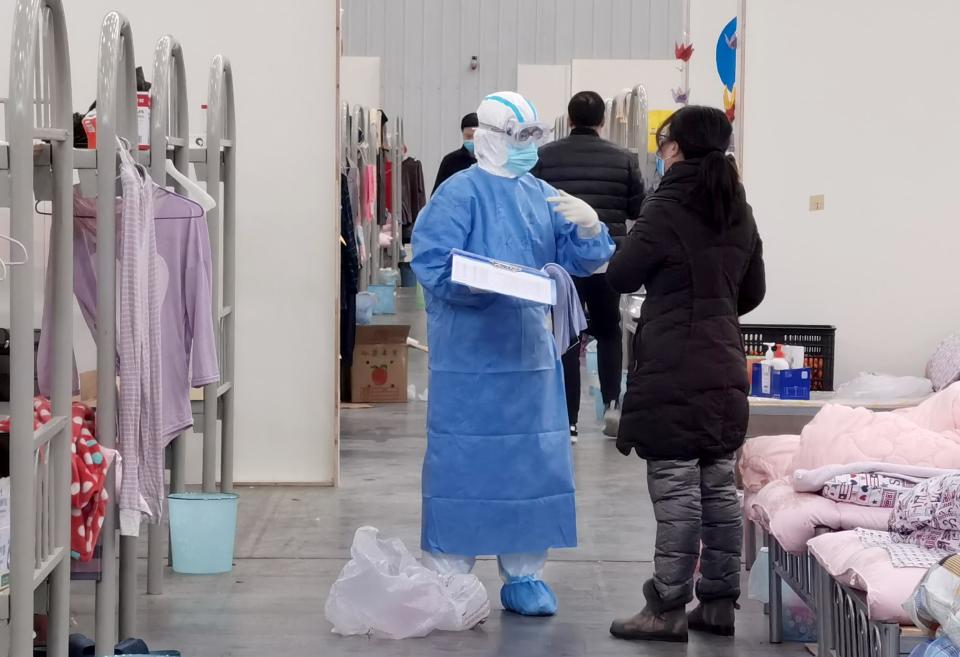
(654, 623)
(574, 435)
(611, 420)
(528, 597)
(714, 617)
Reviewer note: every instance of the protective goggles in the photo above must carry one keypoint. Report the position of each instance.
(523, 134)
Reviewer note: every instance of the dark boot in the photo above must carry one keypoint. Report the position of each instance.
(654, 623)
(714, 617)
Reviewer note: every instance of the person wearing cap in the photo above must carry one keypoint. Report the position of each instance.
(463, 157)
(498, 471)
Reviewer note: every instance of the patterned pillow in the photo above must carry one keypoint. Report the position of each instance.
(944, 368)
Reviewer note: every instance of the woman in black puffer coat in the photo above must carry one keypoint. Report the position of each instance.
(697, 251)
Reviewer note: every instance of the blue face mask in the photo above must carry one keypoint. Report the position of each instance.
(469, 146)
(660, 166)
(521, 160)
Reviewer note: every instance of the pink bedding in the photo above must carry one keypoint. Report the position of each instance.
(765, 459)
(927, 435)
(793, 518)
(869, 570)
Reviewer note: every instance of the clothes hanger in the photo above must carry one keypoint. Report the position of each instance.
(194, 191)
(26, 256)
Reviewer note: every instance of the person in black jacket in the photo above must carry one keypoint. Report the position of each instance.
(697, 251)
(463, 157)
(608, 178)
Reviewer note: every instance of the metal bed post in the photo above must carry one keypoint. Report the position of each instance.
(228, 314)
(40, 514)
(396, 192)
(169, 127)
(116, 116)
(221, 131)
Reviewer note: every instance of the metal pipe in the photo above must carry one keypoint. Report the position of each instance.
(116, 115)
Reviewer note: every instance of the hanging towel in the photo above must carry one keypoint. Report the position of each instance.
(568, 317)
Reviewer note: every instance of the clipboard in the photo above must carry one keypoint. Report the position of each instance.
(483, 273)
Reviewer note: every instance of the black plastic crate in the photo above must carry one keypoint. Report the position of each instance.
(819, 343)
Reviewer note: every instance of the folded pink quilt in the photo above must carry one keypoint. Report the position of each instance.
(869, 570)
(927, 435)
(793, 518)
(765, 459)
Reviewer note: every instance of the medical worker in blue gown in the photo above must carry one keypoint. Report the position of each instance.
(497, 475)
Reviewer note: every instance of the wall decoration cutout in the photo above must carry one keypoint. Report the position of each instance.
(727, 67)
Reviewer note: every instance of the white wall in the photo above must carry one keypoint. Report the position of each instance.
(426, 45)
(360, 81)
(609, 77)
(845, 99)
(287, 279)
(547, 86)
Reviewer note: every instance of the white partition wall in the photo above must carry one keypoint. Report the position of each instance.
(547, 86)
(847, 99)
(360, 81)
(285, 56)
(609, 77)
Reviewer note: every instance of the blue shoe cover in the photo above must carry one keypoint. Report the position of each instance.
(528, 597)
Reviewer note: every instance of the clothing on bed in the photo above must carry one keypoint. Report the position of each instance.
(902, 555)
(90, 463)
(929, 514)
(813, 481)
(868, 489)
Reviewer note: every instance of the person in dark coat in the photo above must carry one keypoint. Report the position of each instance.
(463, 157)
(608, 178)
(697, 251)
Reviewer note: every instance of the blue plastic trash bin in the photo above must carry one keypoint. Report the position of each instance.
(386, 299)
(203, 527)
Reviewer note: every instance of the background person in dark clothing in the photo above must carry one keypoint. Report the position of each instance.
(608, 178)
(462, 158)
(697, 251)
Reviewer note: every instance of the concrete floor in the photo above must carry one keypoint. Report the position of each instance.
(292, 542)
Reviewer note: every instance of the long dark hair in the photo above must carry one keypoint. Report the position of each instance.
(703, 133)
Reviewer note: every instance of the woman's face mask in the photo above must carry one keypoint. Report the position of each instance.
(666, 156)
(521, 160)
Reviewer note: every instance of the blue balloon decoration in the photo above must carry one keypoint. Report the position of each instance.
(727, 55)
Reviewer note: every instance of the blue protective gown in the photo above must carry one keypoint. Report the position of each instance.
(497, 475)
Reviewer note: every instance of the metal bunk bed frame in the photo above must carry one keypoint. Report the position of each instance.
(218, 166)
(116, 117)
(39, 107)
(169, 137)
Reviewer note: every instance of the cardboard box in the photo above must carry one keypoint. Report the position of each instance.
(379, 371)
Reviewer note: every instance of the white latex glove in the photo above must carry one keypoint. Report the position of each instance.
(577, 211)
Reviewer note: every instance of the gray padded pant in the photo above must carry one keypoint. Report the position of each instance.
(696, 501)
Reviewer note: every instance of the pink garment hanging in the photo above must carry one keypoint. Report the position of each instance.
(369, 192)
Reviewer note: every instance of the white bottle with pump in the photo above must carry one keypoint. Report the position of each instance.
(775, 357)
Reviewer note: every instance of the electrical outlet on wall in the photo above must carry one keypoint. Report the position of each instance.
(816, 203)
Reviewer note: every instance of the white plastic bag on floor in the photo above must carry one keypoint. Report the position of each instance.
(385, 591)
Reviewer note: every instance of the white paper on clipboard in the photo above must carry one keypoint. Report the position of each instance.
(511, 280)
